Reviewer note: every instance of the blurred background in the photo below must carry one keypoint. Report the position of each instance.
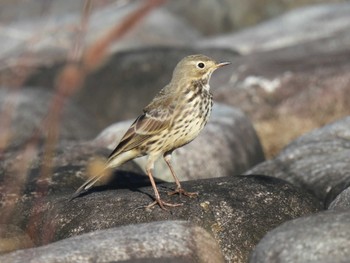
(289, 74)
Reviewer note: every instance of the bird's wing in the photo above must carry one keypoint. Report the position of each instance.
(146, 125)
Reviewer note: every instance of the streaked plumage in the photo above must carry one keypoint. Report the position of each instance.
(173, 118)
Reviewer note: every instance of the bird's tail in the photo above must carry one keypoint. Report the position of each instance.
(113, 162)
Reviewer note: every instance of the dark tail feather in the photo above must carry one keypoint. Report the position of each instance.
(86, 186)
(111, 163)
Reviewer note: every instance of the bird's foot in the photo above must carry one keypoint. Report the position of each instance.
(182, 191)
(162, 204)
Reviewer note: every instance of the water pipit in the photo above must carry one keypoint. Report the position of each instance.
(173, 118)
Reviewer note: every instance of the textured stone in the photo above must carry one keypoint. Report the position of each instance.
(316, 161)
(323, 237)
(168, 241)
(237, 210)
(341, 201)
(227, 145)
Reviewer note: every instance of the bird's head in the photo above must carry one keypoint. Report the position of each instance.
(196, 68)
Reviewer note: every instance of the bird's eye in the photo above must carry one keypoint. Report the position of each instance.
(200, 65)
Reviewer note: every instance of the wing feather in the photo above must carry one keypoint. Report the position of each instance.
(142, 128)
(157, 117)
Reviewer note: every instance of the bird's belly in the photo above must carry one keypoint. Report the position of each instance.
(187, 132)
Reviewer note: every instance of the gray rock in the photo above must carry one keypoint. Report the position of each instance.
(168, 241)
(286, 79)
(50, 37)
(128, 81)
(302, 25)
(342, 201)
(316, 161)
(230, 15)
(323, 237)
(285, 91)
(237, 210)
(295, 27)
(227, 145)
(27, 109)
(22, 178)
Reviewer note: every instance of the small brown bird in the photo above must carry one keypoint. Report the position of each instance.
(173, 118)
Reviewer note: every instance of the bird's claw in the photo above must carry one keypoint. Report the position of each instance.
(162, 204)
(182, 191)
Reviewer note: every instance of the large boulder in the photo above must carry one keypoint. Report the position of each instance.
(167, 241)
(317, 161)
(323, 237)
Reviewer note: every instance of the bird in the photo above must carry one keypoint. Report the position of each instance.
(174, 118)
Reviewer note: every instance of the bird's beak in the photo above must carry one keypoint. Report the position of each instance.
(219, 65)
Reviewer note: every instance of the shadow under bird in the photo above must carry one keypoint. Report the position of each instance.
(174, 118)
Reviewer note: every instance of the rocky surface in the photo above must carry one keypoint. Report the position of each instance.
(323, 237)
(316, 161)
(168, 241)
(238, 211)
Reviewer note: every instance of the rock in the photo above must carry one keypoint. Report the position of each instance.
(50, 38)
(316, 161)
(285, 82)
(323, 237)
(12, 238)
(24, 176)
(234, 147)
(228, 15)
(28, 107)
(128, 81)
(285, 91)
(325, 23)
(342, 201)
(167, 241)
(237, 210)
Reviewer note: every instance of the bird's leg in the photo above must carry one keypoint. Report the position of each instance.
(179, 190)
(158, 201)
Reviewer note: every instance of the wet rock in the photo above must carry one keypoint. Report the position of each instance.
(316, 161)
(227, 145)
(168, 241)
(238, 211)
(323, 237)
